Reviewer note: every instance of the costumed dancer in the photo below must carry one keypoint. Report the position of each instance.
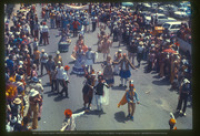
(105, 45)
(88, 89)
(130, 97)
(89, 59)
(69, 121)
(117, 58)
(108, 71)
(124, 66)
(101, 93)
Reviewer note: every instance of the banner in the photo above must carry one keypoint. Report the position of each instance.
(85, 7)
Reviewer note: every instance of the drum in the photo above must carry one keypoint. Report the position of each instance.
(64, 46)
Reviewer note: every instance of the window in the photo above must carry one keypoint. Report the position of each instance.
(175, 26)
(166, 25)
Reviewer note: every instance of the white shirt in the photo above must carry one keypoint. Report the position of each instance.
(65, 76)
(60, 72)
(44, 57)
(38, 87)
(44, 29)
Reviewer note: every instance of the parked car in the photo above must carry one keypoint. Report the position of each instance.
(162, 18)
(180, 15)
(172, 27)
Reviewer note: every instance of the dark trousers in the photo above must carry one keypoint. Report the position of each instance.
(65, 88)
(183, 98)
(43, 65)
(58, 82)
(94, 26)
(40, 38)
(53, 85)
(139, 57)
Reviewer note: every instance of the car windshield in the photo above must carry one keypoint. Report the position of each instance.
(162, 17)
(166, 25)
(176, 26)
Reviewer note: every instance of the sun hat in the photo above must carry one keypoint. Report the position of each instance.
(120, 50)
(185, 80)
(59, 62)
(33, 93)
(17, 101)
(68, 113)
(58, 52)
(35, 79)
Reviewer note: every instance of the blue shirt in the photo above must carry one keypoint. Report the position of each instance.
(10, 64)
(129, 97)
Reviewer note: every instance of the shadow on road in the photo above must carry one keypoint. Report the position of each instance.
(95, 112)
(59, 98)
(123, 88)
(121, 117)
(161, 82)
(72, 62)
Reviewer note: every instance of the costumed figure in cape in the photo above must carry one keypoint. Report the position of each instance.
(130, 97)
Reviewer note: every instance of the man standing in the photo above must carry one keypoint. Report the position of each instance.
(65, 81)
(140, 50)
(45, 33)
(132, 99)
(34, 99)
(105, 45)
(43, 60)
(58, 58)
(50, 64)
(94, 23)
(184, 93)
(59, 75)
(117, 58)
(132, 51)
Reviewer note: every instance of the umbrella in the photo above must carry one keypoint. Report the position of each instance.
(169, 51)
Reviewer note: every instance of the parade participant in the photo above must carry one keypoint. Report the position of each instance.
(100, 38)
(36, 57)
(152, 59)
(117, 58)
(105, 45)
(49, 65)
(172, 122)
(183, 96)
(36, 29)
(16, 108)
(124, 69)
(65, 81)
(140, 52)
(10, 64)
(75, 24)
(34, 100)
(132, 51)
(100, 91)
(52, 19)
(89, 59)
(58, 58)
(43, 60)
(58, 19)
(80, 62)
(37, 85)
(88, 89)
(45, 33)
(130, 97)
(94, 20)
(108, 72)
(69, 122)
(35, 43)
(59, 75)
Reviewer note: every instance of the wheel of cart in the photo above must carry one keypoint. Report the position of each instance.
(64, 46)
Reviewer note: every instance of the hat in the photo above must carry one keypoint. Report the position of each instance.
(42, 50)
(35, 79)
(67, 67)
(185, 80)
(33, 93)
(68, 113)
(172, 121)
(99, 73)
(141, 43)
(17, 101)
(120, 50)
(58, 52)
(59, 62)
(17, 33)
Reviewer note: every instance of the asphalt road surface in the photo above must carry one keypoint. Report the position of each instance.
(156, 99)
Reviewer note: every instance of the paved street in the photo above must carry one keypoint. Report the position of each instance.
(156, 99)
